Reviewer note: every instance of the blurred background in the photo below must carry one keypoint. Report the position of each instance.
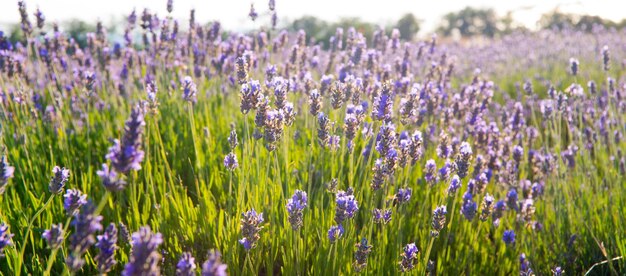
(456, 19)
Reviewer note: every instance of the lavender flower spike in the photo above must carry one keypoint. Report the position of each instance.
(250, 228)
(54, 236)
(295, 206)
(213, 266)
(6, 172)
(107, 244)
(145, 257)
(189, 90)
(346, 206)
(74, 200)
(439, 220)
(61, 175)
(409, 257)
(86, 224)
(186, 266)
(5, 238)
(230, 162)
(361, 254)
(127, 154)
(111, 180)
(335, 232)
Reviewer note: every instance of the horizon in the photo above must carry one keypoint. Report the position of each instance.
(524, 14)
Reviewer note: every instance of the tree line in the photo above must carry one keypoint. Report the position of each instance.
(468, 22)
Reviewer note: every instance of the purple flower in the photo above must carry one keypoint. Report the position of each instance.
(59, 178)
(107, 244)
(462, 160)
(558, 271)
(145, 256)
(409, 257)
(295, 206)
(444, 149)
(127, 154)
(346, 206)
(498, 212)
(446, 170)
(54, 236)
(6, 172)
(111, 179)
(250, 229)
(403, 195)
(250, 96)
(468, 209)
(213, 266)
(455, 185)
(430, 172)
(508, 237)
(335, 232)
(74, 200)
(382, 216)
(511, 200)
(360, 256)
(189, 89)
(5, 238)
(86, 224)
(525, 269)
(230, 162)
(186, 266)
(439, 220)
(383, 106)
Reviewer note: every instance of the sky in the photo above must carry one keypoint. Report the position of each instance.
(233, 13)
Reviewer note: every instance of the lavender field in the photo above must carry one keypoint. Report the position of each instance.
(181, 148)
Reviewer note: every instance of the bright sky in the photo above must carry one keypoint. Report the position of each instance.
(233, 13)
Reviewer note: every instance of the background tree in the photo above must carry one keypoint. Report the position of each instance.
(408, 26)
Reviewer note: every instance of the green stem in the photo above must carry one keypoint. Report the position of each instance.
(18, 265)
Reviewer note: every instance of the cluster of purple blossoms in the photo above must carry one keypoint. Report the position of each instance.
(74, 200)
(463, 158)
(295, 206)
(469, 207)
(189, 89)
(124, 155)
(360, 256)
(439, 220)
(335, 232)
(186, 266)
(381, 216)
(403, 195)
(486, 207)
(5, 238)
(145, 256)
(250, 96)
(6, 173)
(107, 244)
(409, 257)
(54, 236)
(110, 178)
(525, 269)
(498, 212)
(430, 172)
(230, 161)
(127, 155)
(508, 237)
(213, 266)
(346, 206)
(59, 178)
(250, 229)
(454, 186)
(444, 149)
(86, 224)
(558, 271)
